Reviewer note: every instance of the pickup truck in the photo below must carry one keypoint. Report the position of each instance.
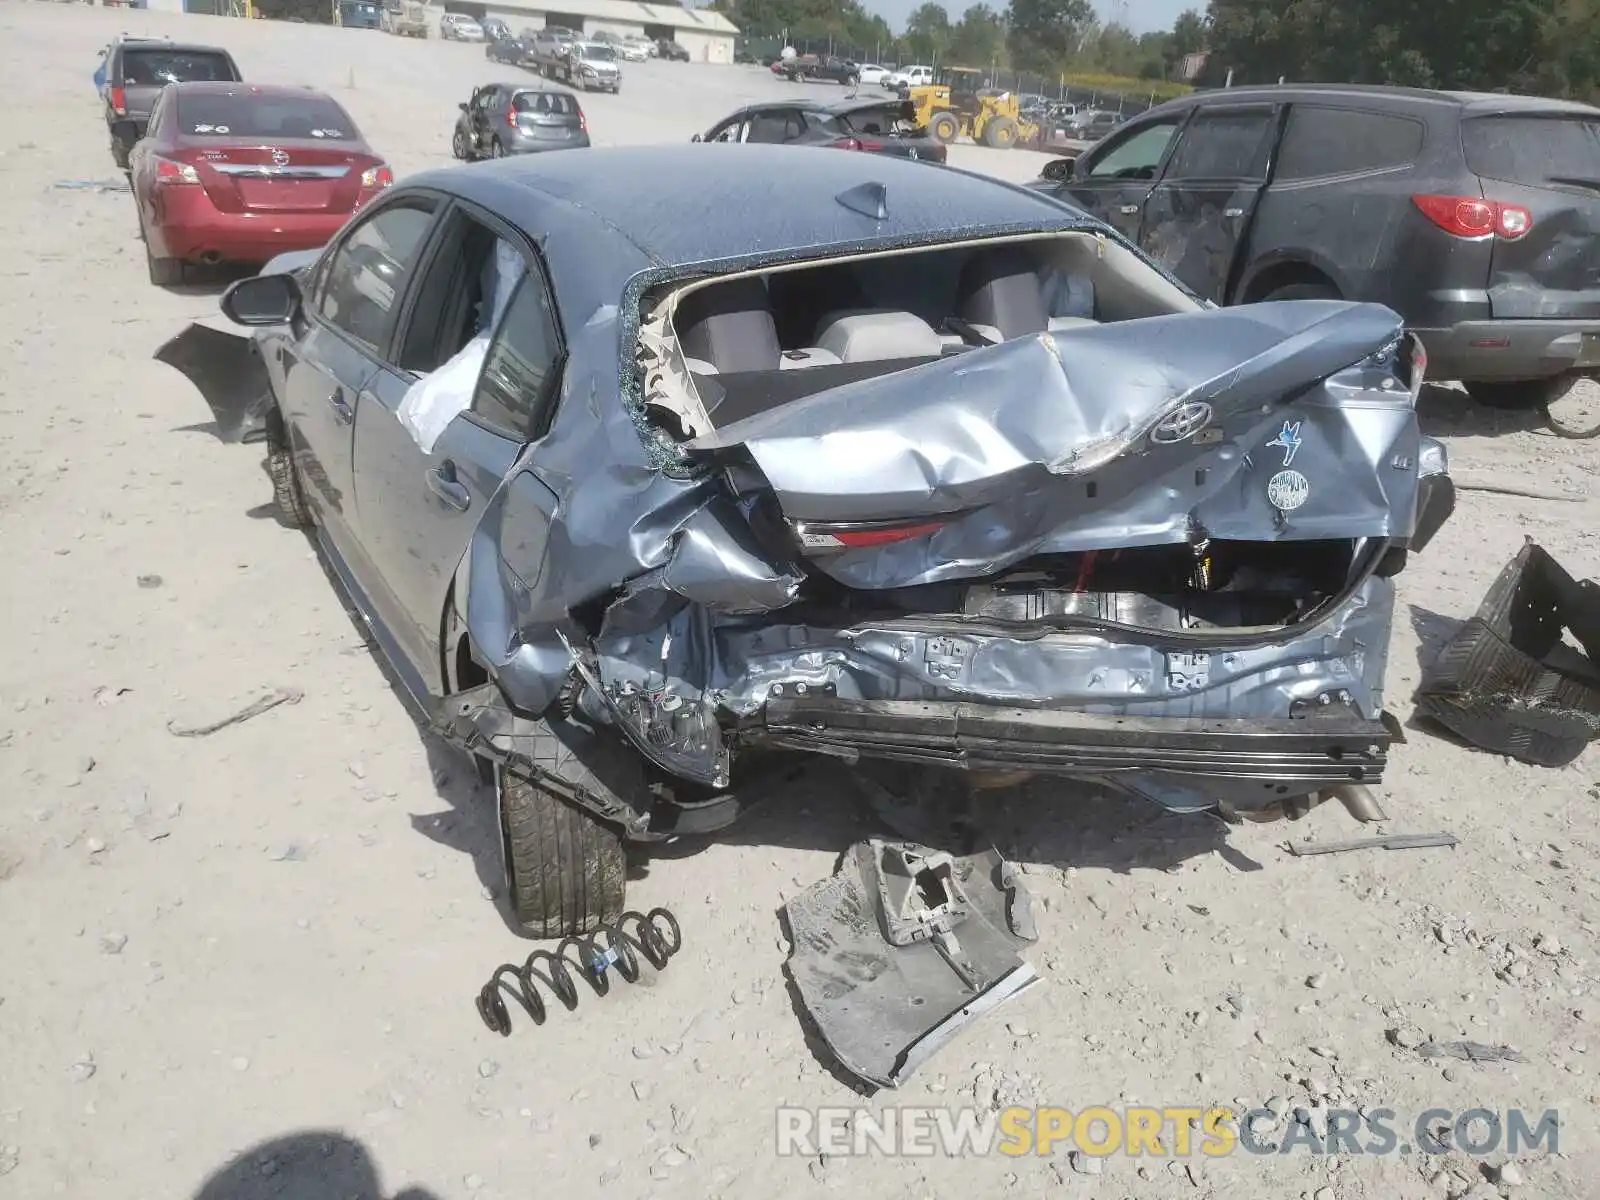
(910, 77)
(405, 18)
(811, 66)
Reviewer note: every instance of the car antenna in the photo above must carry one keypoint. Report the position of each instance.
(868, 199)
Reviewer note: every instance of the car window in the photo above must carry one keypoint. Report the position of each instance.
(872, 120)
(516, 391)
(227, 114)
(773, 126)
(486, 99)
(154, 66)
(369, 271)
(1534, 149)
(1136, 156)
(1224, 145)
(1338, 141)
(555, 104)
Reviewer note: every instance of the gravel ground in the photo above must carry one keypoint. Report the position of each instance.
(250, 958)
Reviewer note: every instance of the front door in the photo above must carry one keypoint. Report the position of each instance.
(351, 312)
(1112, 179)
(425, 486)
(1198, 216)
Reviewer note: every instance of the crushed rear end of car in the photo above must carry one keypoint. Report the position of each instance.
(1157, 554)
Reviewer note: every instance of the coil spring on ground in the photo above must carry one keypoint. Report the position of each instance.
(656, 938)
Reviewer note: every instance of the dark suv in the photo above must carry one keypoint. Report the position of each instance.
(1473, 216)
(135, 70)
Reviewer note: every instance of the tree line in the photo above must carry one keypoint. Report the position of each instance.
(1045, 37)
(1543, 47)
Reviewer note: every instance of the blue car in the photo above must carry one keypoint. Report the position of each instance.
(638, 487)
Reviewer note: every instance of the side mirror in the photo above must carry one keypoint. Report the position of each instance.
(262, 300)
(1059, 170)
(462, 106)
(695, 138)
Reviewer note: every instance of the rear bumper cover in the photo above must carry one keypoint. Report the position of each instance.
(191, 226)
(1330, 746)
(1511, 349)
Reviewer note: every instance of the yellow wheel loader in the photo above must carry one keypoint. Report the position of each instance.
(957, 105)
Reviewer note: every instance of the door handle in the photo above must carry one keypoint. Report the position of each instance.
(341, 410)
(442, 483)
(1128, 210)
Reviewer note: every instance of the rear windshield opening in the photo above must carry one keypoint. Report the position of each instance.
(256, 116)
(156, 68)
(549, 104)
(1533, 149)
(754, 342)
(598, 53)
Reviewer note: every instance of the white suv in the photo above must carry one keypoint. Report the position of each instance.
(460, 28)
(907, 77)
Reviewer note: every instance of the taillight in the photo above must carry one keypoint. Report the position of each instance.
(846, 144)
(377, 177)
(583, 122)
(511, 118)
(119, 101)
(856, 536)
(1419, 366)
(170, 171)
(1473, 217)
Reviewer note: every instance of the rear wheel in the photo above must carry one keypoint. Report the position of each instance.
(944, 127)
(1521, 393)
(1000, 133)
(119, 152)
(1303, 291)
(566, 873)
(496, 150)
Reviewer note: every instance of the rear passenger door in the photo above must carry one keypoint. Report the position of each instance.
(1198, 216)
(419, 508)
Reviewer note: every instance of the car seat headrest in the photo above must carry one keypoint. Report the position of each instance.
(730, 325)
(1000, 287)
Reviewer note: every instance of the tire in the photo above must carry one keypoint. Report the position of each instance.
(1521, 393)
(944, 128)
(852, 81)
(496, 150)
(164, 272)
(458, 146)
(288, 491)
(119, 152)
(1000, 133)
(566, 873)
(1303, 291)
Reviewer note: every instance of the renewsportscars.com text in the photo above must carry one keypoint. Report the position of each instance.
(1179, 1132)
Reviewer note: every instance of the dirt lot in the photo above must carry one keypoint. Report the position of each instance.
(277, 932)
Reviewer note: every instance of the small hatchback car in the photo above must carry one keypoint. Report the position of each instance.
(232, 172)
(507, 118)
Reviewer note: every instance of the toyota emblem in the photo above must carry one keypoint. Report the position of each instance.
(280, 158)
(1182, 423)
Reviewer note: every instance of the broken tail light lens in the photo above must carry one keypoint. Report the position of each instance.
(851, 143)
(1474, 217)
(119, 101)
(817, 535)
(1418, 365)
(379, 176)
(170, 171)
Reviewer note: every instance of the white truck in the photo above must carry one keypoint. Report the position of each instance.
(405, 18)
(910, 77)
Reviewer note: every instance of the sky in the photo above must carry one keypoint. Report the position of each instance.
(1142, 16)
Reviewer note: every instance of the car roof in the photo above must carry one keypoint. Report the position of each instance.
(128, 43)
(1472, 101)
(709, 201)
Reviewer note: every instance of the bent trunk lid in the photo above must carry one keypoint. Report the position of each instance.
(1149, 432)
(1549, 164)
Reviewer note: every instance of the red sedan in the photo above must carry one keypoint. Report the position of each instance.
(239, 172)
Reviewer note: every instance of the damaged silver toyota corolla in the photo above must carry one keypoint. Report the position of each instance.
(632, 479)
